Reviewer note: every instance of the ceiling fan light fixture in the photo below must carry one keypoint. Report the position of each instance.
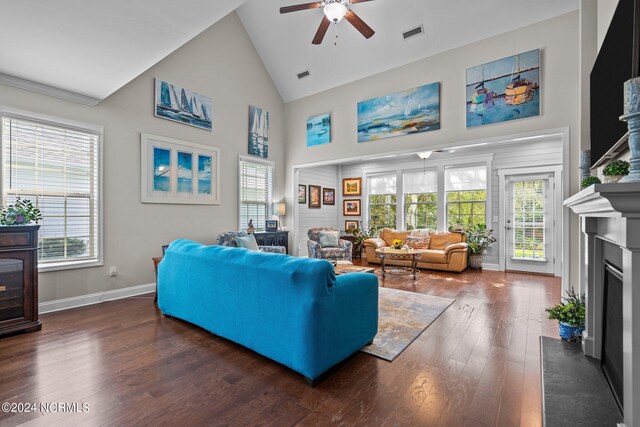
(424, 155)
(335, 11)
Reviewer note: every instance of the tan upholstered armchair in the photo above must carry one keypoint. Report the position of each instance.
(446, 251)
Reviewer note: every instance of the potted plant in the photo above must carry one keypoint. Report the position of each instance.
(571, 314)
(22, 212)
(479, 239)
(615, 170)
(590, 180)
(363, 233)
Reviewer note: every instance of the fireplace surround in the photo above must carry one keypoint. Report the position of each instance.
(610, 223)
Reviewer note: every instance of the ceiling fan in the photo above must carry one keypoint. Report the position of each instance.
(334, 11)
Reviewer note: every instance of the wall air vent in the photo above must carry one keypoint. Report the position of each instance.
(303, 74)
(414, 32)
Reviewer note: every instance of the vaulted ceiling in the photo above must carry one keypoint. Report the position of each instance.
(93, 48)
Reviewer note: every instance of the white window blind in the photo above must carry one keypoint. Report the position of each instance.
(466, 178)
(382, 184)
(256, 187)
(56, 167)
(420, 182)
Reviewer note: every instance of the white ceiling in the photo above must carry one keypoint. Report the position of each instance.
(284, 41)
(94, 47)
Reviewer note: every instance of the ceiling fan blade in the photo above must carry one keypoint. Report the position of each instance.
(322, 30)
(359, 1)
(297, 7)
(360, 25)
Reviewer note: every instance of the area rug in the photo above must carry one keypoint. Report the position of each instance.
(402, 317)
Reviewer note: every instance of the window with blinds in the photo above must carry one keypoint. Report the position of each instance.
(466, 189)
(382, 200)
(256, 188)
(56, 167)
(420, 199)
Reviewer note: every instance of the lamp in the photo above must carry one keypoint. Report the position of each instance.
(280, 209)
(335, 11)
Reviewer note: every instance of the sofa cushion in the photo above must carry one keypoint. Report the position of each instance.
(332, 253)
(247, 242)
(389, 235)
(418, 242)
(433, 256)
(420, 232)
(328, 239)
(440, 241)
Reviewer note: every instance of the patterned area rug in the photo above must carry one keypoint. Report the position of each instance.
(402, 316)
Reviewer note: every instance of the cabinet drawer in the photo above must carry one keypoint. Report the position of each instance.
(15, 240)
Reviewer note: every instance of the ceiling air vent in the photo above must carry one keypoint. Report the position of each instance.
(303, 74)
(414, 32)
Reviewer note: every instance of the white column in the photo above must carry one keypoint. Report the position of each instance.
(589, 252)
(631, 323)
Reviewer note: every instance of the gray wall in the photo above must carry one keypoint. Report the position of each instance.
(558, 40)
(220, 62)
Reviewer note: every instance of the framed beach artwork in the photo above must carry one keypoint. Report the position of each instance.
(315, 196)
(302, 194)
(401, 113)
(351, 207)
(181, 172)
(351, 187)
(350, 225)
(328, 196)
(258, 132)
(503, 90)
(319, 130)
(181, 105)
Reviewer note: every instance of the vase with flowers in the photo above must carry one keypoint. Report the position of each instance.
(397, 244)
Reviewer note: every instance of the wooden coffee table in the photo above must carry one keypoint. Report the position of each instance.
(399, 255)
(345, 268)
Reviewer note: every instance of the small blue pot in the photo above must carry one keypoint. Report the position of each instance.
(569, 332)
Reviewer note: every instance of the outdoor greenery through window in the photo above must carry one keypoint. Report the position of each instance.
(420, 199)
(466, 195)
(256, 188)
(528, 226)
(383, 200)
(56, 167)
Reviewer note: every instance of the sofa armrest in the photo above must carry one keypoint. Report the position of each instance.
(273, 249)
(345, 244)
(460, 247)
(375, 242)
(314, 249)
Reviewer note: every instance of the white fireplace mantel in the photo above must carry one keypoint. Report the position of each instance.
(611, 212)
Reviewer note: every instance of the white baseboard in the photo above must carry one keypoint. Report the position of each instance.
(81, 301)
(489, 266)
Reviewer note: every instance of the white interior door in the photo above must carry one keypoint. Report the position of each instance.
(529, 224)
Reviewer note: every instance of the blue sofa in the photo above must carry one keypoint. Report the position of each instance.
(292, 310)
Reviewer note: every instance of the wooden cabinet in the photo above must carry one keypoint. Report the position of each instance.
(19, 279)
(273, 238)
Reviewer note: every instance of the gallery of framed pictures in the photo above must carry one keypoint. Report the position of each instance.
(400, 113)
(503, 90)
(175, 171)
(181, 105)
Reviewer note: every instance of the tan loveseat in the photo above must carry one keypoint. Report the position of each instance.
(446, 251)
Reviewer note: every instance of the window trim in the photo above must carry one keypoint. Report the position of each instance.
(253, 159)
(366, 194)
(82, 127)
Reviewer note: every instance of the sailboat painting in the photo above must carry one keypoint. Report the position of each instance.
(503, 90)
(182, 105)
(401, 113)
(319, 130)
(258, 132)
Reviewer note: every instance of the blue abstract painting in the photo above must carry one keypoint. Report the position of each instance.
(182, 105)
(319, 130)
(185, 172)
(401, 113)
(503, 90)
(258, 132)
(204, 174)
(161, 169)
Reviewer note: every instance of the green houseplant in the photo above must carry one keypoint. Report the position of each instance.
(479, 239)
(22, 212)
(615, 170)
(366, 231)
(570, 312)
(590, 180)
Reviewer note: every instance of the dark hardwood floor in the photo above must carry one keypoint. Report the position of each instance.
(478, 364)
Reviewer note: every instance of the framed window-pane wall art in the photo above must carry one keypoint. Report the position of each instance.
(178, 172)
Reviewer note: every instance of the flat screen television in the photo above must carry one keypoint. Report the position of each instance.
(617, 62)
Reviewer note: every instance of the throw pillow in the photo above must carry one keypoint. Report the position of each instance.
(247, 242)
(416, 242)
(329, 239)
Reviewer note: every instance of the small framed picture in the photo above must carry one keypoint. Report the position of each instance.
(352, 187)
(302, 194)
(350, 225)
(328, 196)
(315, 195)
(271, 225)
(351, 207)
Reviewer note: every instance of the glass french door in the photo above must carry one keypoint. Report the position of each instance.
(529, 224)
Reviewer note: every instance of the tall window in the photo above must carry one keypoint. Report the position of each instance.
(256, 187)
(382, 200)
(420, 199)
(56, 167)
(466, 189)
